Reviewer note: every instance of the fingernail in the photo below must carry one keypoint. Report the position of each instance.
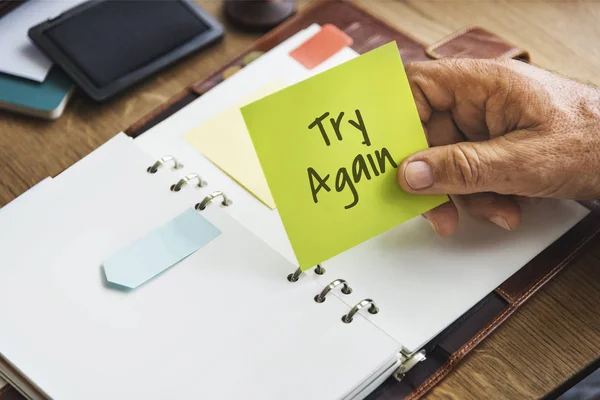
(432, 224)
(418, 175)
(501, 222)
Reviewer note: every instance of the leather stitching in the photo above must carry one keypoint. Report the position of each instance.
(504, 294)
(435, 378)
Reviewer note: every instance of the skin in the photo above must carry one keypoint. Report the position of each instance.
(501, 132)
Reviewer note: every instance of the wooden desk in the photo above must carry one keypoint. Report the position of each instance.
(552, 337)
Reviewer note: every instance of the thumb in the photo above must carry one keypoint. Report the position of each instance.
(462, 168)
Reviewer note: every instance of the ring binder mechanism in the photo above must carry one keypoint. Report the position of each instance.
(211, 197)
(407, 363)
(185, 180)
(320, 298)
(347, 318)
(293, 277)
(161, 161)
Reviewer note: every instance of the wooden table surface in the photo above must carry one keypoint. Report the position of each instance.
(552, 337)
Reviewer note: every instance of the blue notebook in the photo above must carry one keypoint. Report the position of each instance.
(40, 99)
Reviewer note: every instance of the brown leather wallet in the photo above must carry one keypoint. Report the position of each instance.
(446, 350)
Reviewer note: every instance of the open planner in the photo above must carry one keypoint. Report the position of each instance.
(236, 318)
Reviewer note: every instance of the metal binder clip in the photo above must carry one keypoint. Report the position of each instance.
(184, 181)
(407, 363)
(208, 199)
(161, 161)
(345, 289)
(347, 318)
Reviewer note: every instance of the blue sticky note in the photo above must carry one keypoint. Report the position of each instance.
(159, 250)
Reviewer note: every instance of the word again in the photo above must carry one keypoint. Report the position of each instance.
(343, 179)
(377, 161)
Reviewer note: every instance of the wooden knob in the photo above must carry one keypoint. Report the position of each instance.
(258, 15)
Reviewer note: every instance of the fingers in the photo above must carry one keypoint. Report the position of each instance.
(461, 87)
(443, 219)
(467, 102)
(465, 168)
(503, 211)
(527, 200)
(485, 98)
(441, 130)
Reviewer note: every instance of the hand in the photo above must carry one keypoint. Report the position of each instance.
(501, 131)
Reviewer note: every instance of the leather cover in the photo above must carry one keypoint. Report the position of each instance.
(368, 32)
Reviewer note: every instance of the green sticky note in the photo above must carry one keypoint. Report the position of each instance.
(330, 146)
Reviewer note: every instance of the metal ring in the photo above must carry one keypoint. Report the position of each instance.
(184, 181)
(321, 296)
(161, 161)
(208, 199)
(407, 363)
(319, 270)
(295, 276)
(347, 318)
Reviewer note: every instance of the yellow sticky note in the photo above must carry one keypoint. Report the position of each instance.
(224, 140)
(330, 147)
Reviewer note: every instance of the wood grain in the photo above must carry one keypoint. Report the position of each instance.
(550, 338)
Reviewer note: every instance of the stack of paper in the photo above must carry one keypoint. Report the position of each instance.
(225, 308)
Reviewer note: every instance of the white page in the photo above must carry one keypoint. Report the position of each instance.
(226, 314)
(18, 55)
(422, 282)
(27, 194)
(19, 208)
(112, 159)
(24, 201)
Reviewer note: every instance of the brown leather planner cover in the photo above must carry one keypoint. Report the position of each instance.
(368, 32)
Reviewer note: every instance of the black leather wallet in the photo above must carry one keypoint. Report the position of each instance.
(107, 46)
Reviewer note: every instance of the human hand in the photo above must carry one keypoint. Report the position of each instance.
(501, 131)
